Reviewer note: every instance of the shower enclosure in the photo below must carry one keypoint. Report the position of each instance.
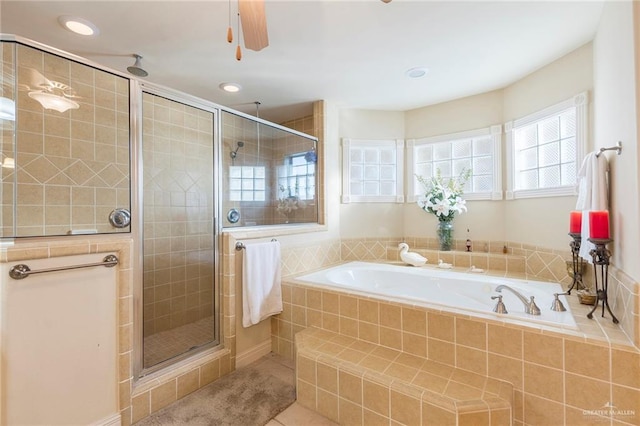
(179, 298)
(174, 164)
(269, 174)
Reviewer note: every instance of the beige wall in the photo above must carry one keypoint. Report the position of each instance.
(472, 112)
(615, 115)
(545, 221)
(539, 222)
(485, 219)
(368, 219)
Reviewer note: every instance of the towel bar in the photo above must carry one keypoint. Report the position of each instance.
(21, 271)
(618, 148)
(240, 245)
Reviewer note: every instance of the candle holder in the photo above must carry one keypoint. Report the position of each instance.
(578, 262)
(601, 256)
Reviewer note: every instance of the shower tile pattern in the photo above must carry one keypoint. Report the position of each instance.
(178, 212)
(72, 168)
(7, 143)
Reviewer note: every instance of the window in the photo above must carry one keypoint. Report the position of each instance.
(544, 149)
(372, 171)
(475, 150)
(297, 177)
(246, 183)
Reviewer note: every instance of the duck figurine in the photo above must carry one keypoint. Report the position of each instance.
(413, 259)
(444, 265)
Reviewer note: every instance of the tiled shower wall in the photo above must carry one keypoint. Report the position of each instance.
(72, 168)
(178, 212)
(7, 151)
(268, 152)
(255, 153)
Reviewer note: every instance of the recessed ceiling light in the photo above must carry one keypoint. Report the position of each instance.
(230, 87)
(78, 25)
(417, 72)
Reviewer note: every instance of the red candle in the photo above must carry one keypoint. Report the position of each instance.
(599, 224)
(575, 223)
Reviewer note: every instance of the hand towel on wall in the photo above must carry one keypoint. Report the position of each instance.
(592, 195)
(261, 286)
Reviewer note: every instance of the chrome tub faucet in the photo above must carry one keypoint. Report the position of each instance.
(530, 306)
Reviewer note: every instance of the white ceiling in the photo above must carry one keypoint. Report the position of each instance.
(354, 53)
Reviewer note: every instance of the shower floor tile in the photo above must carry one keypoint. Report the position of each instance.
(164, 345)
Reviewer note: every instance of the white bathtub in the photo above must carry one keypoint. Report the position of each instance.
(469, 293)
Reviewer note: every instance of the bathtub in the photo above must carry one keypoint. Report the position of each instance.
(461, 292)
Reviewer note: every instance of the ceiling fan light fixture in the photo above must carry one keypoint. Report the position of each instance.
(78, 25)
(416, 72)
(230, 87)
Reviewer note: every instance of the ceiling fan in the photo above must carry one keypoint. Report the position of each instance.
(252, 18)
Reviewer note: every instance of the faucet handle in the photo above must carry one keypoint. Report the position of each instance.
(557, 305)
(499, 308)
(532, 308)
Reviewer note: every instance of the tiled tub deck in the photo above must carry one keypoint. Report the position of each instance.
(558, 377)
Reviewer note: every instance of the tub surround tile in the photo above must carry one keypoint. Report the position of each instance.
(512, 353)
(386, 386)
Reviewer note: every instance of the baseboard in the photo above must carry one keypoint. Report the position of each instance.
(113, 420)
(253, 354)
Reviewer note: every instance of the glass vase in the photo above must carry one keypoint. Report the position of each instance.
(445, 235)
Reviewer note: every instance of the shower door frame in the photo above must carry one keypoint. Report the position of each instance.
(137, 88)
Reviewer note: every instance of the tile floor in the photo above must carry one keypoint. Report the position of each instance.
(166, 344)
(297, 415)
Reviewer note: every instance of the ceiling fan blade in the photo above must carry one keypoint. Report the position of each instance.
(254, 24)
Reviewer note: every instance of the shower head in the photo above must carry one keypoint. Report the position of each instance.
(234, 154)
(136, 69)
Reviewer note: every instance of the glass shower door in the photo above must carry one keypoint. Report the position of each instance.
(178, 230)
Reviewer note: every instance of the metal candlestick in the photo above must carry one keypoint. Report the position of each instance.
(578, 262)
(601, 256)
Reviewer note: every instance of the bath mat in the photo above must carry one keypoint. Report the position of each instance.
(250, 396)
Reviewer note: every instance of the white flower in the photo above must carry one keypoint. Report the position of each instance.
(443, 197)
(441, 208)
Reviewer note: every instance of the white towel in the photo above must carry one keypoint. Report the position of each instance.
(261, 287)
(592, 195)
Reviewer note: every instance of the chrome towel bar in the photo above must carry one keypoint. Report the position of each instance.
(240, 245)
(21, 271)
(617, 148)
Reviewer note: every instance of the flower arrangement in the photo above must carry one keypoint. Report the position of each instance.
(443, 197)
